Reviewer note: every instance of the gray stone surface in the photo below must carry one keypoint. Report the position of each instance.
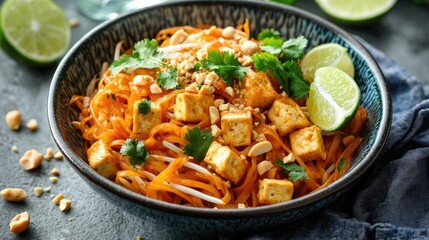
(402, 35)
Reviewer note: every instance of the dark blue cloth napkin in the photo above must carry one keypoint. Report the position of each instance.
(391, 201)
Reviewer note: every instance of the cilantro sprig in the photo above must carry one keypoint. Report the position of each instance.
(199, 143)
(144, 55)
(225, 64)
(169, 78)
(293, 170)
(136, 151)
(144, 106)
(268, 33)
(281, 58)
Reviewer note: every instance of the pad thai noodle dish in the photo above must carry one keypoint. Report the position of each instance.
(211, 117)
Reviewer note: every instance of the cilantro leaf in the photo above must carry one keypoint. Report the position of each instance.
(268, 33)
(294, 171)
(144, 55)
(199, 143)
(265, 62)
(125, 63)
(293, 49)
(273, 45)
(144, 106)
(341, 163)
(136, 151)
(299, 87)
(168, 79)
(147, 50)
(225, 65)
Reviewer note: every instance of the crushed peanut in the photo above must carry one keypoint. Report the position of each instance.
(47, 189)
(55, 171)
(261, 138)
(31, 160)
(14, 149)
(49, 153)
(260, 148)
(289, 158)
(38, 191)
(65, 204)
(229, 91)
(214, 115)
(13, 194)
(216, 131)
(58, 156)
(223, 106)
(58, 198)
(218, 102)
(74, 22)
(228, 32)
(13, 119)
(264, 166)
(155, 89)
(32, 124)
(20, 223)
(241, 205)
(53, 179)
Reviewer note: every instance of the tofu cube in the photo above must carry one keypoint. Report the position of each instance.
(192, 107)
(307, 143)
(272, 191)
(225, 162)
(287, 116)
(143, 123)
(258, 91)
(101, 159)
(237, 127)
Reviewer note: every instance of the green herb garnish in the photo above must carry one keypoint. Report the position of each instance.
(144, 106)
(226, 65)
(341, 163)
(293, 170)
(199, 143)
(144, 55)
(136, 151)
(169, 78)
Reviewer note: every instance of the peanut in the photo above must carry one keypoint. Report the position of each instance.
(65, 204)
(49, 153)
(155, 89)
(58, 156)
(38, 191)
(13, 119)
(20, 223)
(249, 48)
(58, 198)
(31, 159)
(214, 114)
(260, 148)
(13, 194)
(178, 37)
(32, 124)
(264, 166)
(55, 171)
(228, 32)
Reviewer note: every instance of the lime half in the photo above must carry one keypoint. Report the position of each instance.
(35, 31)
(356, 12)
(324, 55)
(333, 100)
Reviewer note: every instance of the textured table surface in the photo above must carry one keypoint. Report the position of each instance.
(402, 35)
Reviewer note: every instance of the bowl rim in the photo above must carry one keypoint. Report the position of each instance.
(351, 177)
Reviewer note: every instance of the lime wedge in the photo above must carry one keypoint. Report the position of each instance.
(356, 12)
(35, 31)
(325, 55)
(333, 100)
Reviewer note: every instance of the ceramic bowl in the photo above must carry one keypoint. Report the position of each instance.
(85, 58)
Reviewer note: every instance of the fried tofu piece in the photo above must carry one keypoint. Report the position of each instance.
(101, 159)
(287, 116)
(272, 191)
(307, 143)
(143, 123)
(258, 91)
(225, 162)
(192, 107)
(237, 127)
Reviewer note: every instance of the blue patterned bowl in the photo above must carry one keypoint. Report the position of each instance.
(84, 60)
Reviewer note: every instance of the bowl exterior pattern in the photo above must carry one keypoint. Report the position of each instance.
(86, 58)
